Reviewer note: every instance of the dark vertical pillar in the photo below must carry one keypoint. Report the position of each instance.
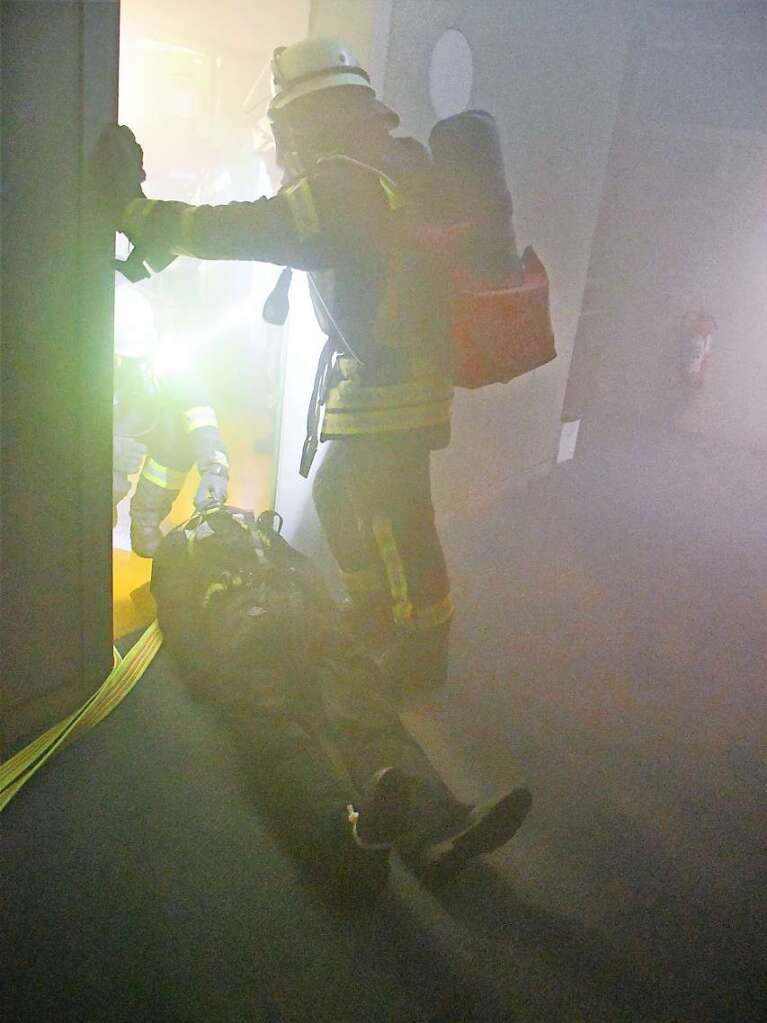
(59, 89)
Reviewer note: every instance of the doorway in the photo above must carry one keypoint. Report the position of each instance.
(185, 71)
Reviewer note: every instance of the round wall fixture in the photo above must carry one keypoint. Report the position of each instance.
(451, 74)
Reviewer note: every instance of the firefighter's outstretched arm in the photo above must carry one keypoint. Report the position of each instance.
(262, 230)
(305, 225)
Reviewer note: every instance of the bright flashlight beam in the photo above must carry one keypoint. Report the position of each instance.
(176, 353)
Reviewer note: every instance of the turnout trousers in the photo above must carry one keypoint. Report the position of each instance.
(373, 498)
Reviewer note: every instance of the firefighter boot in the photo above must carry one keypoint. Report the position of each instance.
(485, 828)
(149, 506)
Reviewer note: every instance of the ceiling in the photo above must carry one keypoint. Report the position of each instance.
(252, 27)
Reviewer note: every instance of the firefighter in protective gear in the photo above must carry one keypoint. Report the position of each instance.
(384, 380)
(163, 425)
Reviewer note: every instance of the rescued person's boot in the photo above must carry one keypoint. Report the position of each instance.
(485, 828)
(373, 828)
(383, 813)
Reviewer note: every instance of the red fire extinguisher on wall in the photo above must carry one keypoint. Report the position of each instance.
(696, 329)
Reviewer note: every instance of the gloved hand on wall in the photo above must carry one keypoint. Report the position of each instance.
(213, 488)
(119, 169)
(127, 455)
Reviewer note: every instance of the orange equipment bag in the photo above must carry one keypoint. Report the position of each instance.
(501, 334)
(500, 315)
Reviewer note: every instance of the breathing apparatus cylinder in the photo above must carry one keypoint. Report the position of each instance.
(470, 189)
(501, 324)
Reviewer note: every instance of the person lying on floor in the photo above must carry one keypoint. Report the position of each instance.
(257, 634)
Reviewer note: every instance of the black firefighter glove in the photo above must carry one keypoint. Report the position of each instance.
(119, 164)
(213, 488)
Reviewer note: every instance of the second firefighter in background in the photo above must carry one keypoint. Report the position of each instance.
(163, 425)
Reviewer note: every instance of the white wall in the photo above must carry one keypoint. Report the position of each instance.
(304, 342)
(551, 72)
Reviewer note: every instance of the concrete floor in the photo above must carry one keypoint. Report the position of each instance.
(609, 650)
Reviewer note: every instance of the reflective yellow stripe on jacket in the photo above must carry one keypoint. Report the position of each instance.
(351, 408)
(162, 476)
(200, 415)
(302, 208)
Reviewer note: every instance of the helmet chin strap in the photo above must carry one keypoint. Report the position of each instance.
(287, 151)
(292, 165)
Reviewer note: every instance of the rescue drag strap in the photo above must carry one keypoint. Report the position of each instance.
(127, 670)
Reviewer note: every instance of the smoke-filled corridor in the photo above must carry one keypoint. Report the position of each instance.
(610, 651)
(552, 577)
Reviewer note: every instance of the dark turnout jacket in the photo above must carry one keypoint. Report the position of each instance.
(382, 302)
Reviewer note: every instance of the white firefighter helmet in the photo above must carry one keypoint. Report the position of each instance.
(322, 62)
(320, 66)
(135, 328)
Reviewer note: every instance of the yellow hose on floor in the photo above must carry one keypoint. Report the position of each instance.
(127, 670)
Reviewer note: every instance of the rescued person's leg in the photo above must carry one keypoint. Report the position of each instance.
(341, 831)
(441, 834)
(369, 734)
(436, 859)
